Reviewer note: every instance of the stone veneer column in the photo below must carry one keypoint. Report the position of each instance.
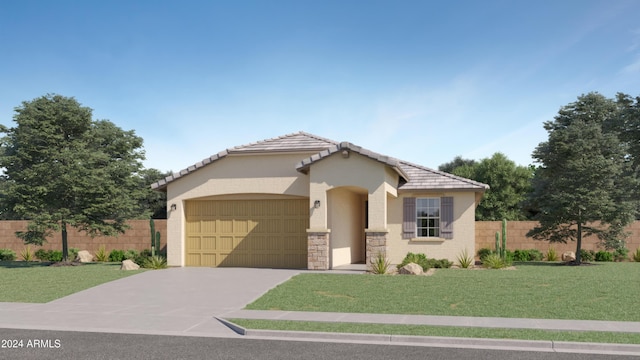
(318, 249)
(376, 244)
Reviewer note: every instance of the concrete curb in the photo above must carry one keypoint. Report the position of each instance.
(435, 341)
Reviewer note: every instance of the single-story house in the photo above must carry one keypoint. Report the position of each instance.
(303, 201)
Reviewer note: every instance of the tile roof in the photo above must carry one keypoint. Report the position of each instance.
(423, 178)
(415, 177)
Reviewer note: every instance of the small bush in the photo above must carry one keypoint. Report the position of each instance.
(43, 255)
(27, 253)
(155, 262)
(439, 263)
(55, 255)
(527, 255)
(604, 256)
(73, 253)
(465, 260)
(494, 261)
(636, 255)
(587, 255)
(116, 255)
(142, 257)
(101, 254)
(621, 254)
(130, 255)
(7, 255)
(552, 255)
(380, 264)
(420, 259)
(484, 252)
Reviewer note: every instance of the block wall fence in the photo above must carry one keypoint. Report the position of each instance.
(139, 237)
(517, 239)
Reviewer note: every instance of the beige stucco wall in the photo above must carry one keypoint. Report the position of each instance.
(258, 175)
(347, 226)
(463, 229)
(356, 170)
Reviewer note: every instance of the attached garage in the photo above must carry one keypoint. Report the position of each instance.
(247, 233)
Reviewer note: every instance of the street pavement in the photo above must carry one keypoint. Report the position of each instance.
(196, 302)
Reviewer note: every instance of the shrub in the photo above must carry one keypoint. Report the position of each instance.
(621, 254)
(27, 253)
(484, 252)
(636, 255)
(552, 255)
(73, 253)
(116, 255)
(465, 260)
(154, 262)
(527, 255)
(130, 255)
(7, 255)
(380, 264)
(55, 255)
(142, 257)
(494, 261)
(420, 259)
(587, 255)
(604, 256)
(43, 255)
(101, 254)
(439, 263)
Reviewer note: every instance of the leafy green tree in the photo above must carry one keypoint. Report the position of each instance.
(456, 163)
(64, 169)
(583, 184)
(153, 201)
(509, 185)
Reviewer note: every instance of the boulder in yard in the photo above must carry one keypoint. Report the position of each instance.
(568, 256)
(411, 269)
(84, 256)
(129, 265)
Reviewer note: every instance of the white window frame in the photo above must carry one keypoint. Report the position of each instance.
(428, 217)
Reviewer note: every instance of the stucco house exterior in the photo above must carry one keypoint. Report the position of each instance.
(303, 201)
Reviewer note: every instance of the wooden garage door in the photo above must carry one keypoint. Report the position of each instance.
(247, 233)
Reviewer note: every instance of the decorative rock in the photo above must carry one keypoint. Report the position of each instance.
(411, 269)
(84, 256)
(568, 256)
(129, 265)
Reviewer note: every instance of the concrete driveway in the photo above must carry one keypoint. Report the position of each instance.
(176, 301)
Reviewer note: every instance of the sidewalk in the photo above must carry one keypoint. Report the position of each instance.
(485, 322)
(436, 341)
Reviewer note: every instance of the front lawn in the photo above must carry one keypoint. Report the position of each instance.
(605, 291)
(36, 282)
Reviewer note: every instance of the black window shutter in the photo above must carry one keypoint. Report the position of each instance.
(446, 217)
(409, 218)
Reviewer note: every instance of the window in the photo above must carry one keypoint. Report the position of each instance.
(428, 217)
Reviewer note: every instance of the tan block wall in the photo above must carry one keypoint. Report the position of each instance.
(136, 238)
(517, 239)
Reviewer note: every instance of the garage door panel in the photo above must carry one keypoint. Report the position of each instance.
(241, 233)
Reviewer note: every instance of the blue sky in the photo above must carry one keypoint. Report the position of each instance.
(422, 81)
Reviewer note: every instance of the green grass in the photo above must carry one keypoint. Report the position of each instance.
(606, 291)
(36, 282)
(447, 331)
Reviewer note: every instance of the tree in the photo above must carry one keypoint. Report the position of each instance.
(582, 186)
(153, 201)
(456, 163)
(509, 184)
(64, 169)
